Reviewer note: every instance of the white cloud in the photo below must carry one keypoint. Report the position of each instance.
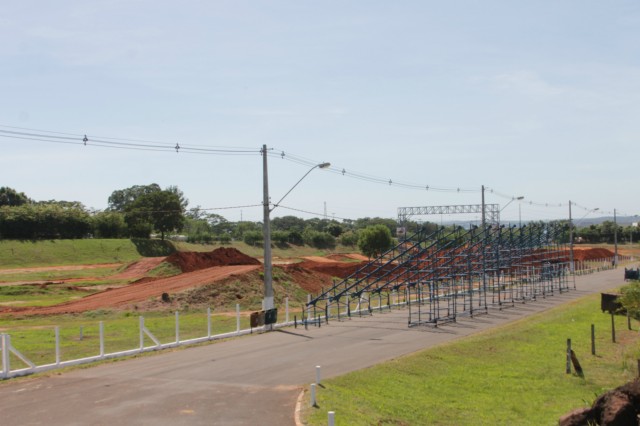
(527, 83)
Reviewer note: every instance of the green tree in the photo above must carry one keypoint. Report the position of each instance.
(11, 197)
(121, 199)
(161, 211)
(349, 238)
(109, 225)
(366, 222)
(253, 238)
(287, 223)
(374, 240)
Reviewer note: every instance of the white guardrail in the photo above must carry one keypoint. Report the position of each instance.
(7, 348)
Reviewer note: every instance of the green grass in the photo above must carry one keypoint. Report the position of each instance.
(34, 337)
(53, 275)
(511, 375)
(22, 254)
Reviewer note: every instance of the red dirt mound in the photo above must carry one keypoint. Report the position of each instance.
(223, 256)
(593, 253)
(335, 269)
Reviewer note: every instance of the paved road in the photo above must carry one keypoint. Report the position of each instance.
(245, 381)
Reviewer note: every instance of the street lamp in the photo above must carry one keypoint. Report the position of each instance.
(266, 227)
(511, 201)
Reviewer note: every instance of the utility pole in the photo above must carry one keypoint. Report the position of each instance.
(519, 215)
(266, 226)
(484, 221)
(615, 238)
(571, 265)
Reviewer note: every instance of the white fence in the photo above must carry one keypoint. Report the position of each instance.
(7, 348)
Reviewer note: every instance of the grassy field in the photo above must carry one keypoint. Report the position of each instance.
(35, 336)
(512, 375)
(23, 254)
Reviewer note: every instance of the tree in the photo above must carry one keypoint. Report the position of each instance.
(109, 225)
(287, 223)
(121, 199)
(365, 222)
(374, 240)
(11, 197)
(349, 238)
(161, 211)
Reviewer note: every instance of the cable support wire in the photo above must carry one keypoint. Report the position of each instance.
(366, 177)
(77, 139)
(25, 133)
(312, 213)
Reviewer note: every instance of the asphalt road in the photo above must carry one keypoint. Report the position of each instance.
(244, 381)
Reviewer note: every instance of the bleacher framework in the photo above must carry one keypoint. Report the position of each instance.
(454, 272)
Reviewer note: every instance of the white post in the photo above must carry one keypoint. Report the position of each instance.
(286, 310)
(177, 327)
(331, 421)
(209, 323)
(101, 338)
(57, 329)
(6, 366)
(317, 374)
(141, 333)
(313, 395)
(237, 318)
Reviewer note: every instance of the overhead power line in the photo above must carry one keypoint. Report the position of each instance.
(24, 133)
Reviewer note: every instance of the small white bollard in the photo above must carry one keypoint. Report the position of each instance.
(141, 322)
(6, 361)
(286, 310)
(57, 345)
(177, 327)
(313, 395)
(317, 374)
(331, 421)
(237, 318)
(101, 338)
(209, 323)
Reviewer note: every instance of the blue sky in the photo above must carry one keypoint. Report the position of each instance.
(535, 99)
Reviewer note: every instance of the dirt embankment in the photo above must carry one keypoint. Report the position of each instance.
(223, 256)
(203, 268)
(592, 253)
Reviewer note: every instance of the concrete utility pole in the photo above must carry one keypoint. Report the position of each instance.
(268, 302)
(571, 263)
(615, 238)
(266, 227)
(484, 220)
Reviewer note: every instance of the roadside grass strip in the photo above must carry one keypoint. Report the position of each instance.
(511, 375)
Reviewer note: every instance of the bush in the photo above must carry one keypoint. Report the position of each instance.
(349, 238)
(224, 238)
(321, 240)
(252, 238)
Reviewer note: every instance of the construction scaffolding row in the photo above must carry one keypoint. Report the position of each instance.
(449, 273)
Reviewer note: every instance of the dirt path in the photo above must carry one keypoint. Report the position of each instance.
(58, 268)
(139, 291)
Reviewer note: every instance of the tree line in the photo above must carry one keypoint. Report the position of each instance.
(142, 211)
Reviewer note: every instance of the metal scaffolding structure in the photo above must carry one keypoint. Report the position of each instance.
(454, 272)
(492, 211)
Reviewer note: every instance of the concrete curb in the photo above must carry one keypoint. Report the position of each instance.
(296, 414)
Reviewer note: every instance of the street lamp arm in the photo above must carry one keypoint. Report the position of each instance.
(511, 201)
(320, 166)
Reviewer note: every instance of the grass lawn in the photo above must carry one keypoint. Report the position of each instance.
(22, 254)
(35, 336)
(511, 375)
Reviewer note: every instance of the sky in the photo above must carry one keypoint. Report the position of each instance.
(530, 99)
